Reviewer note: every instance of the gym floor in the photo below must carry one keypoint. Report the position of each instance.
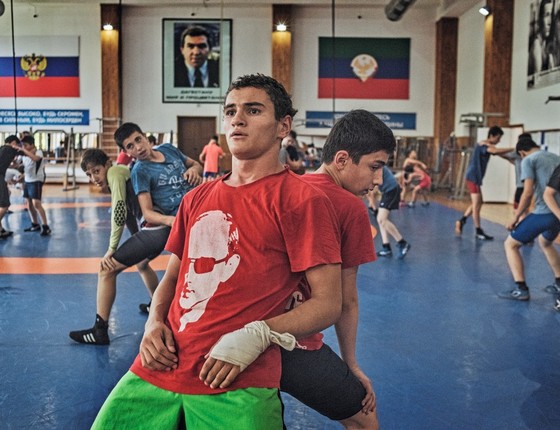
(442, 350)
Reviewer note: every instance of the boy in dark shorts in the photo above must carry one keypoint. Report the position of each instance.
(536, 170)
(8, 152)
(356, 149)
(160, 177)
(390, 200)
(34, 177)
(551, 197)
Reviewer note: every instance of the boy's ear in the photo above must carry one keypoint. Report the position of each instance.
(341, 159)
(285, 126)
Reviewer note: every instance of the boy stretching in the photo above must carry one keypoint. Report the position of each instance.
(356, 149)
(206, 359)
(8, 152)
(160, 177)
(34, 177)
(474, 176)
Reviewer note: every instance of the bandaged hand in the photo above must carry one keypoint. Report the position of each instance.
(243, 346)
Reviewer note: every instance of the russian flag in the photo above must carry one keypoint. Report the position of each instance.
(364, 68)
(44, 66)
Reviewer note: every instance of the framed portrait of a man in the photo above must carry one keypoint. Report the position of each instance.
(196, 60)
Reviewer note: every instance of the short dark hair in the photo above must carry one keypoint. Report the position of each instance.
(524, 136)
(195, 31)
(28, 139)
(93, 156)
(12, 138)
(525, 145)
(360, 133)
(278, 95)
(495, 131)
(152, 139)
(125, 131)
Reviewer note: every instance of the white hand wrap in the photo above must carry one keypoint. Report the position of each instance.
(242, 347)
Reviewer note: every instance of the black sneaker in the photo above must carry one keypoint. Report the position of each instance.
(4, 234)
(46, 230)
(484, 236)
(557, 303)
(97, 335)
(145, 307)
(385, 253)
(403, 250)
(34, 227)
(93, 336)
(515, 294)
(459, 224)
(552, 289)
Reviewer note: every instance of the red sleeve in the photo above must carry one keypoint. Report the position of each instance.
(357, 242)
(311, 233)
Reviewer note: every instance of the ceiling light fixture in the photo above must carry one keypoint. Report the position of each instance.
(107, 27)
(484, 10)
(281, 27)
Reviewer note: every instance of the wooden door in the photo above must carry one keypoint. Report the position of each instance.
(193, 132)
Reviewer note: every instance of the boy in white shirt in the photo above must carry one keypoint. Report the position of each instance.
(34, 178)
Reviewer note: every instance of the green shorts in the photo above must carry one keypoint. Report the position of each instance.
(136, 404)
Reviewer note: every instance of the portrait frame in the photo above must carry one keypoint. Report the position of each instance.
(176, 89)
(543, 65)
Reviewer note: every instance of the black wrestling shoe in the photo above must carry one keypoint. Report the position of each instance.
(34, 227)
(385, 253)
(459, 224)
(145, 307)
(484, 236)
(4, 234)
(46, 230)
(97, 335)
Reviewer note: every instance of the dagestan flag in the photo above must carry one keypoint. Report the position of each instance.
(364, 68)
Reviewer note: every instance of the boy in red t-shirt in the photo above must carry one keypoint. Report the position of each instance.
(355, 151)
(206, 359)
(211, 155)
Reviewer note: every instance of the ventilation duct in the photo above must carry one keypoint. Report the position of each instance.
(396, 8)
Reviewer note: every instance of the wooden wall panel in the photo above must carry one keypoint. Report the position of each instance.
(282, 46)
(111, 93)
(498, 34)
(447, 30)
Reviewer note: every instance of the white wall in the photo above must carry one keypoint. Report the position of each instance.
(142, 74)
(252, 52)
(528, 106)
(470, 67)
(54, 20)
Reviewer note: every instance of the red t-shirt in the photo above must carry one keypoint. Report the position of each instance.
(124, 159)
(212, 153)
(243, 252)
(355, 236)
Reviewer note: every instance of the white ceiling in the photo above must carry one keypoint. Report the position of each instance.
(440, 8)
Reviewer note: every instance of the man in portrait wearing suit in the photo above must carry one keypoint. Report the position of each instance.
(193, 68)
